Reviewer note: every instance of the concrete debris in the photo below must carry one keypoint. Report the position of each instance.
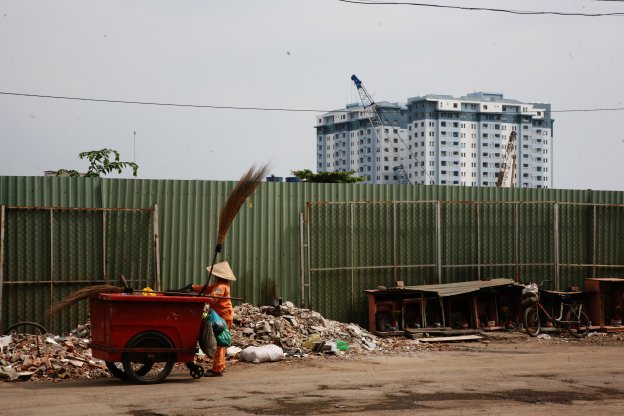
(5, 341)
(49, 358)
(299, 333)
(293, 328)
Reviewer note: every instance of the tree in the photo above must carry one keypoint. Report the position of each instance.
(306, 175)
(102, 163)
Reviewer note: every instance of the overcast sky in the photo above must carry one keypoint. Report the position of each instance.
(297, 54)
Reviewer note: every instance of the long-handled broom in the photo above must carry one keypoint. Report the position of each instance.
(243, 189)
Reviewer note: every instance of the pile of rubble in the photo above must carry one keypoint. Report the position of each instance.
(48, 357)
(300, 330)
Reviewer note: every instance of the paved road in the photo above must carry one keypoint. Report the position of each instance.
(518, 377)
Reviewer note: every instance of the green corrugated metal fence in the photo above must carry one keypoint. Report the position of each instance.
(355, 246)
(48, 253)
(264, 242)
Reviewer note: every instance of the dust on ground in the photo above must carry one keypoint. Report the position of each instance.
(504, 373)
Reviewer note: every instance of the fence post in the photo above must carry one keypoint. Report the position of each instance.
(352, 212)
(394, 241)
(594, 219)
(51, 323)
(301, 260)
(517, 241)
(556, 238)
(479, 240)
(104, 252)
(309, 255)
(156, 246)
(1, 260)
(439, 240)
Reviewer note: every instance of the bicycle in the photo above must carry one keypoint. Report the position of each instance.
(576, 321)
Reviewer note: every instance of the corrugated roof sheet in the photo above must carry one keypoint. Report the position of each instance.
(453, 289)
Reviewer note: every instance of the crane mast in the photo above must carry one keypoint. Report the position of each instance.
(373, 116)
(508, 164)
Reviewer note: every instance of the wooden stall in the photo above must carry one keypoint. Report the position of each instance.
(605, 302)
(481, 304)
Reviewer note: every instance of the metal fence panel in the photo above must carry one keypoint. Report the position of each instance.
(130, 248)
(48, 253)
(525, 241)
(416, 243)
(27, 245)
(373, 236)
(264, 242)
(332, 220)
(79, 254)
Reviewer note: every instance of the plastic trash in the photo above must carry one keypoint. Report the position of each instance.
(148, 291)
(5, 341)
(265, 353)
(218, 323)
(233, 351)
(311, 341)
(341, 345)
(224, 339)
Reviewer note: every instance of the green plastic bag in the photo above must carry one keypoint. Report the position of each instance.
(224, 339)
(218, 324)
(341, 345)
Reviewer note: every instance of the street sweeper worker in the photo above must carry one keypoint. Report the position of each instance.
(220, 302)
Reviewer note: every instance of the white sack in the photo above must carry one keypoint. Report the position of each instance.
(265, 353)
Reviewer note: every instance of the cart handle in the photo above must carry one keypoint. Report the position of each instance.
(185, 294)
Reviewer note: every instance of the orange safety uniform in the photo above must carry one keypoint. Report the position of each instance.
(223, 307)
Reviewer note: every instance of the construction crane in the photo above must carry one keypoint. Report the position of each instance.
(373, 116)
(508, 164)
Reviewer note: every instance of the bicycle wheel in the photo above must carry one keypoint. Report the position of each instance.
(532, 323)
(24, 326)
(578, 323)
(148, 367)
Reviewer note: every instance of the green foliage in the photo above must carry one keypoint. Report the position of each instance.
(103, 162)
(307, 175)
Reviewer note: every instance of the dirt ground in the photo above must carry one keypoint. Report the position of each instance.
(509, 374)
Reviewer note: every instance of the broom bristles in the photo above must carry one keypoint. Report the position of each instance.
(84, 293)
(243, 189)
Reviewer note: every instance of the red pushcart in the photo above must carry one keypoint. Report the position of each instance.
(141, 337)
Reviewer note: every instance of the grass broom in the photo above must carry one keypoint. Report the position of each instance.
(81, 294)
(243, 189)
(95, 290)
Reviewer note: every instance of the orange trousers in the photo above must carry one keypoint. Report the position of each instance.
(218, 363)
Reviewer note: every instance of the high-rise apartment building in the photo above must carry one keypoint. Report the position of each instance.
(439, 139)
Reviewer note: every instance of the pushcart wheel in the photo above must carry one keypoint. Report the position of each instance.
(148, 367)
(116, 369)
(197, 371)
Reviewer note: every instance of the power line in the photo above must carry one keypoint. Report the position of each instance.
(587, 110)
(478, 9)
(102, 100)
(224, 107)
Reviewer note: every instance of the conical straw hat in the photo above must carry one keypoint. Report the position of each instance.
(223, 271)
